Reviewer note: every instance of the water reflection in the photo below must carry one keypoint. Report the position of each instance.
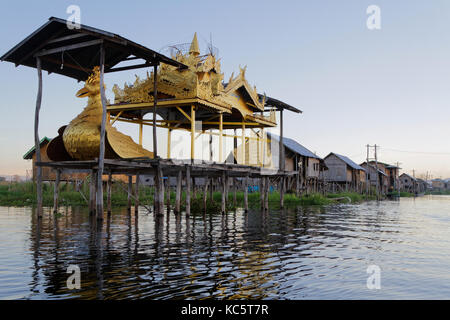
(314, 252)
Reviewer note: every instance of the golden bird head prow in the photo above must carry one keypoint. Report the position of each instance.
(92, 85)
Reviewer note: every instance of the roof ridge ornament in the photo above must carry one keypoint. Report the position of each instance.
(194, 48)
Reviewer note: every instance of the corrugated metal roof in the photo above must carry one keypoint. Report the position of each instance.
(80, 50)
(294, 146)
(29, 154)
(348, 161)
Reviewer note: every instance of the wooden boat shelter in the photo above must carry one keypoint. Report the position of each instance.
(74, 52)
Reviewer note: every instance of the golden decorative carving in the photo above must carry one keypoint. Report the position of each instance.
(82, 136)
(203, 79)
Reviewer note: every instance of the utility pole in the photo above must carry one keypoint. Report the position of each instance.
(376, 169)
(377, 190)
(398, 179)
(367, 172)
(414, 182)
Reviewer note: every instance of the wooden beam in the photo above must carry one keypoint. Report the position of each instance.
(116, 117)
(129, 193)
(169, 138)
(184, 113)
(70, 37)
(69, 47)
(108, 199)
(37, 142)
(140, 131)
(243, 143)
(136, 66)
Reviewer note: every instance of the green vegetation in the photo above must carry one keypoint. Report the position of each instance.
(441, 192)
(24, 194)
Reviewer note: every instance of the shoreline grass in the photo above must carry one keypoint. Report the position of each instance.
(24, 194)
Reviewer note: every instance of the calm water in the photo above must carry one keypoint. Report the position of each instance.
(304, 253)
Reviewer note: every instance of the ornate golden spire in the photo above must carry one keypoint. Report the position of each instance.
(194, 49)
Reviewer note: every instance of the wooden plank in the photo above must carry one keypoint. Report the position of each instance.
(136, 66)
(69, 47)
(37, 142)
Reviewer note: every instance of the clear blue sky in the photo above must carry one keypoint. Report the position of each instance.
(390, 86)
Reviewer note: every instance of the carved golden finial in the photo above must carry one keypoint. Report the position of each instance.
(194, 49)
(242, 71)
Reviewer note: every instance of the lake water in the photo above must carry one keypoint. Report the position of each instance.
(302, 253)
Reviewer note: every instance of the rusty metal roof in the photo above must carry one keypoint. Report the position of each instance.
(74, 52)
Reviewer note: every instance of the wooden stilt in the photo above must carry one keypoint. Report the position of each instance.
(234, 192)
(282, 186)
(161, 191)
(129, 193)
(246, 194)
(56, 191)
(262, 190)
(266, 196)
(188, 190)
(224, 178)
(37, 142)
(108, 196)
(92, 192)
(178, 193)
(101, 157)
(205, 193)
(168, 195)
(211, 189)
(136, 195)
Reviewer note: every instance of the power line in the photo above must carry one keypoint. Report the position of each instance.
(422, 152)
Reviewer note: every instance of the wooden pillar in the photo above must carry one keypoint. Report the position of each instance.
(262, 189)
(56, 191)
(160, 190)
(192, 133)
(297, 184)
(169, 138)
(243, 142)
(37, 142)
(281, 143)
(155, 102)
(235, 147)
(266, 195)
(92, 192)
(168, 195)
(141, 129)
(129, 192)
(108, 199)
(210, 146)
(234, 192)
(224, 179)
(188, 190)
(211, 189)
(136, 195)
(178, 193)
(221, 137)
(205, 193)
(246, 194)
(282, 186)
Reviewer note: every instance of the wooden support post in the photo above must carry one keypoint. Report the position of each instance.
(92, 192)
(211, 189)
(56, 191)
(267, 191)
(221, 137)
(234, 192)
(224, 179)
(129, 193)
(108, 199)
(136, 195)
(37, 142)
(141, 129)
(246, 194)
(160, 191)
(169, 138)
(188, 190)
(235, 147)
(282, 186)
(155, 102)
(168, 195)
(205, 193)
(192, 133)
(178, 193)
(297, 184)
(101, 157)
(243, 143)
(262, 190)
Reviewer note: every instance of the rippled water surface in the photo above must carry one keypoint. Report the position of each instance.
(303, 253)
